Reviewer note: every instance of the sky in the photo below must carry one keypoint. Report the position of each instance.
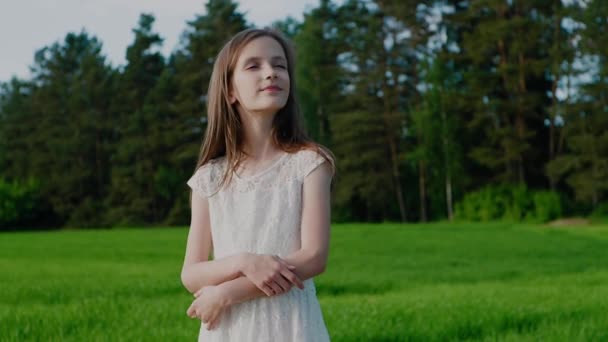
(29, 25)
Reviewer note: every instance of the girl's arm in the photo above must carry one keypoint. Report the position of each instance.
(197, 270)
(311, 258)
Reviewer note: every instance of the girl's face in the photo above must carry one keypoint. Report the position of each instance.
(260, 81)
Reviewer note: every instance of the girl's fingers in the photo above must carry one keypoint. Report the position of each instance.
(204, 318)
(275, 287)
(263, 288)
(290, 275)
(291, 267)
(190, 312)
(267, 290)
(215, 323)
(198, 293)
(212, 320)
(282, 282)
(293, 279)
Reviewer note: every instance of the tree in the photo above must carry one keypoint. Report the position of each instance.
(191, 69)
(317, 70)
(437, 126)
(507, 49)
(68, 144)
(362, 186)
(136, 157)
(16, 120)
(584, 163)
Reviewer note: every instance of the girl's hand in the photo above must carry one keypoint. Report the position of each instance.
(208, 306)
(271, 274)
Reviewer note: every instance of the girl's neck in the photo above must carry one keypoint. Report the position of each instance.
(257, 138)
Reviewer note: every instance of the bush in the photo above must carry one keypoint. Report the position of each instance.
(547, 206)
(601, 211)
(88, 214)
(510, 203)
(21, 204)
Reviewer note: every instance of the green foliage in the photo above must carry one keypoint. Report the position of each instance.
(583, 166)
(20, 204)
(132, 198)
(547, 206)
(317, 70)
(415, 104)
(436, 129)
(509, 202)
(601, 211)
(364, 178)
(504, 63)
(88, 214)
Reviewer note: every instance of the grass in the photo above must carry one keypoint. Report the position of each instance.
(434, 282)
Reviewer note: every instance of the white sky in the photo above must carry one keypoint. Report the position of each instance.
(29, 25)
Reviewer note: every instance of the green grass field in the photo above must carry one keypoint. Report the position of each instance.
(435, 282)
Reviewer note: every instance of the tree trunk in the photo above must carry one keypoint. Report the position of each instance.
(390, 126)
(448, 197)
(422, 189)
(397, 178)
(521, 125)
(446, 162)
(556, 77)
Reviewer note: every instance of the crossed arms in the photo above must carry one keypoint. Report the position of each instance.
(246, 276)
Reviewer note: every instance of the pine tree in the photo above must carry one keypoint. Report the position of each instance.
(317, 70)
(133, 199)
(584, 163)
(192, 65)
(69, 142)
(506, 46)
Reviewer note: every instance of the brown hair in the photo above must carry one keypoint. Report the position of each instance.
(224, 135)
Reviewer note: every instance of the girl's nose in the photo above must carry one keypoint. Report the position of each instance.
(270, 73)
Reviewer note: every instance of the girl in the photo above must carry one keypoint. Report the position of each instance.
(261, 202)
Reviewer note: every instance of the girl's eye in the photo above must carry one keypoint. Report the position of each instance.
(281, 66)
(252, 66)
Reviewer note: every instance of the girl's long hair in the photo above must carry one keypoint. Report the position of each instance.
(224, 133)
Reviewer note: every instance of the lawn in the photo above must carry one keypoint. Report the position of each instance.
(389, 282)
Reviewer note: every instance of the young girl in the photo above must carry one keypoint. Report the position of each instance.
(261, 202)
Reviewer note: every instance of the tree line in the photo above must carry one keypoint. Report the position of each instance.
(434, 109)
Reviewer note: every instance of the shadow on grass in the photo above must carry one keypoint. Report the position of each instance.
(351, 289)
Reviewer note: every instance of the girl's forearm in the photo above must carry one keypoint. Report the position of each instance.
(241, 289)
(213, 272)
(308, 263)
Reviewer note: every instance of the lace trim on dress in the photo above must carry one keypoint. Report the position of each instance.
(292, 167)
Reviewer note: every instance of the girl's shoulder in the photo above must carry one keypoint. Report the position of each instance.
(206, 178)
(211, 167)
(309, 158)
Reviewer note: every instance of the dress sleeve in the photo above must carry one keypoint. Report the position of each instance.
(200, 182)
(309, 161)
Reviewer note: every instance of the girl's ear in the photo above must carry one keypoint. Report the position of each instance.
(231, 97)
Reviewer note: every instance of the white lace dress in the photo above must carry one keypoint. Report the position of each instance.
(262, 214)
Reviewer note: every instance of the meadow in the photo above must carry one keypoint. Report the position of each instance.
(384, 282)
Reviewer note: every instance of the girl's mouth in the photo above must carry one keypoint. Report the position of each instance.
(272, 89)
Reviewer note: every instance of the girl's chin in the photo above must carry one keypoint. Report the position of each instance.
(264, 108)
(265, 111)
(271, 107)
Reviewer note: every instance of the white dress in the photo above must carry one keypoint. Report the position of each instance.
(262, 214)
